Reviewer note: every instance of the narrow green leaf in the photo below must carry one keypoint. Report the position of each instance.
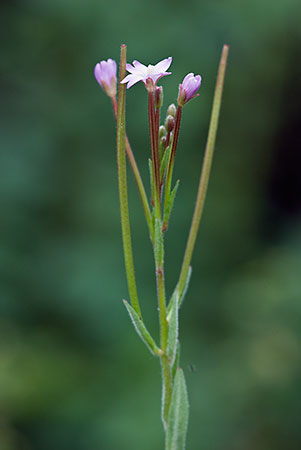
(176, 291)
(170, 203)
(187, 281)
(141, 330)
(173, 329)
(159, 247)
(176, 361)
(178, 414)
(164, 161)
(151, 177)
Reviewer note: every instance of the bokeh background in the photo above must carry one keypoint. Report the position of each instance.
(73, 374)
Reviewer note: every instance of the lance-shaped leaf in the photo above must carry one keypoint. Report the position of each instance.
(159, 248)
(164, 161)
(178, 414)
(170, 203)
(176, 361)
(151, 177)
(176, 292)
(173, 329)
(187, 281)
(142, 331)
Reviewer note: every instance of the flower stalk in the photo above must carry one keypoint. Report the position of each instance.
(176, 132)
(123, 193)
(137, 177)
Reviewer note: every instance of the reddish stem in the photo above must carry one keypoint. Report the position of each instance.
(154, 142)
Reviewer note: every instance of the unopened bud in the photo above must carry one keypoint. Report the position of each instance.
(171, 111)
(159, 97)
(169, 123)
(162, 131)
(163, 141)
(105, 74)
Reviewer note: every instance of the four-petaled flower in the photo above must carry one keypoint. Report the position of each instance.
(105, 74)
(140, 72)
(188, 89)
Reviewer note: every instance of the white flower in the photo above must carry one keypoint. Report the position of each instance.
(140, 72)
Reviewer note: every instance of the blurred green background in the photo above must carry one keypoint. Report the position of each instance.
(73, 374)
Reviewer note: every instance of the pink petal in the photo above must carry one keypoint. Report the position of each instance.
(97, 72)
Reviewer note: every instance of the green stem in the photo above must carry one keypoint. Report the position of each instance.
(166, 370)
(205, 170)
(138, 178)
(122, 184)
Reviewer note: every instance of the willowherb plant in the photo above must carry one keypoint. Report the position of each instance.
(163, 144)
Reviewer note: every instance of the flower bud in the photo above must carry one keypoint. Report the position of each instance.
(188, 89)
(163, 141)
(169, 123)
(171, 111)
(162, 131)
(105, 74)
(159, 97)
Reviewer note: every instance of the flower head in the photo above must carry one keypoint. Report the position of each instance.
(105, 74)
(140, 72)
(188, 89)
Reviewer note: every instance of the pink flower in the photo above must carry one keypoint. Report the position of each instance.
(105, 74)
(188, 89)
(140, 72)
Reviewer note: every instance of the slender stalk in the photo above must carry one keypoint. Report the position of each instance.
(159, 257)
(154, 149)
(122, 184)
(171, 161)
(204, 179)
(137, 176)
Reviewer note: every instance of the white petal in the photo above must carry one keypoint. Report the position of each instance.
(130, 68)
(163, 65)
(131, 79)
(138, 65)
(126, 79)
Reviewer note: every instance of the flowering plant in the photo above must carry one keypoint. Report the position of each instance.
(163, 143)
